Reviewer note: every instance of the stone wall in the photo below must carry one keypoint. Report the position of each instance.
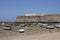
(44, 18)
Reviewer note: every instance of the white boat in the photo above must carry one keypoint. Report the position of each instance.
(7, 27)
(50, 27)
(21, 30)
(57, 25)
(43, 25)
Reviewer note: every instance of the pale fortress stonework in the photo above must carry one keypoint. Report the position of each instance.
(43, 18)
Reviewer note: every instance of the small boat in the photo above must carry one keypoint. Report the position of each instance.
(21, 30)
(7, 27)
(50, 27)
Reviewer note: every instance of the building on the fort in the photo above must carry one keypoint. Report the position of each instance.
(32, 15)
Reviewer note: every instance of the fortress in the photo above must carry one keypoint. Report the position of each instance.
(33, 18)
(38, 18)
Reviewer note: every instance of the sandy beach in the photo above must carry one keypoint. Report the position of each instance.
(48, 36)
(42, 34)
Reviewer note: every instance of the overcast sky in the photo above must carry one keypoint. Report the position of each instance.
(10, 9)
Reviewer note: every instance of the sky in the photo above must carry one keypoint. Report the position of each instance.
(10, 9)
